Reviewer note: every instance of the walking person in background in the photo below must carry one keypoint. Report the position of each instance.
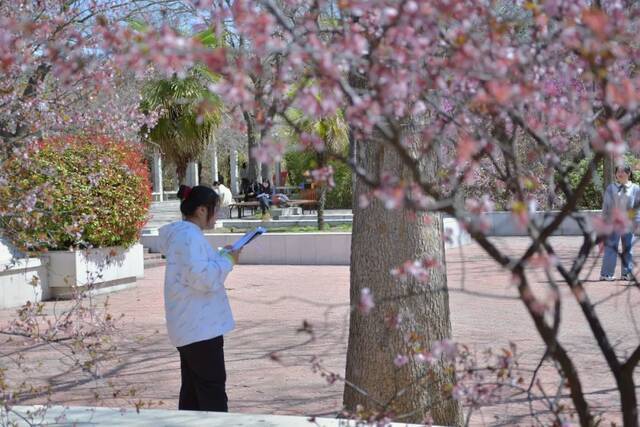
(624, 196)
(196, 305)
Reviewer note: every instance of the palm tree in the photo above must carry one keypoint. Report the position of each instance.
(189, 115)
(333, 131)
(189, 111)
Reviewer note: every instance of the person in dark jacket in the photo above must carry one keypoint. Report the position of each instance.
(264, 194)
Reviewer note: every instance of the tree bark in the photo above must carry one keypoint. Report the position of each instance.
(383, 239)
(628, 400)
(322, 196)
(252, 142)
(608, 171)
(181, 172)
(267, 172)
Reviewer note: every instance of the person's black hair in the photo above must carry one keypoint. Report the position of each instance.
(626, 169)
(215, 184)
(221, 180)
(193, 198)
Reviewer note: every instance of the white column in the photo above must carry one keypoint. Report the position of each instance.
(234, 171)
(214, 160)
(157, 174)
(192, 174)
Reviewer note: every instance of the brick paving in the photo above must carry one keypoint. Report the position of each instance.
(270, 303)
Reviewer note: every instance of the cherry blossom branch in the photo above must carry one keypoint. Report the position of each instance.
(556, 350)
(583, 300)
(632, 361)
(566, 210)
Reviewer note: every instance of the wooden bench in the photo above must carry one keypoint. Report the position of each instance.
(241, 206)
(308, 204)
(308, 200)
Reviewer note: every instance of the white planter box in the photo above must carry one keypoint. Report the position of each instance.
(102, 269)
(21, 279)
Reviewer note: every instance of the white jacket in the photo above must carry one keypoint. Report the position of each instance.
(195, 300)
(226, 198)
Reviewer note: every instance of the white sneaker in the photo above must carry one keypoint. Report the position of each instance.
(607, 278)
(626, 276)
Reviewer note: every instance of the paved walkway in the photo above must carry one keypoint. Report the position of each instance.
(270, 303)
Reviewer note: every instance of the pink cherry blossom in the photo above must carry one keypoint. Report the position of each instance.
(400, 360)
(366, 303)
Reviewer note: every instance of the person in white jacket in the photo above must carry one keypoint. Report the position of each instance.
(196, 305)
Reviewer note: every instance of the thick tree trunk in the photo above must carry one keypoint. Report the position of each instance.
(252, 142)
(383, 239)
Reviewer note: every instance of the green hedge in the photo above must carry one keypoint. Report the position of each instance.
(78, 191)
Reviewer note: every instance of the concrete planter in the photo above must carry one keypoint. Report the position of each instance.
(101, 269)
(21, 279)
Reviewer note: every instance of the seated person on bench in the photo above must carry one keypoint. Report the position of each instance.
(264, 196)
(250, 191)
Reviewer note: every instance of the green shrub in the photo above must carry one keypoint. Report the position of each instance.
(298, 163)
(340, 197)
(78, 191)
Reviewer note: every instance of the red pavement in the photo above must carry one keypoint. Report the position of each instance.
(270, 303)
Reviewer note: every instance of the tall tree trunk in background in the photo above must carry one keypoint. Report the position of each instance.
(322, 195)
(252, 142)
(181, 171)
(609, 175)
(381, 240)
(322, 201)
(267, 172)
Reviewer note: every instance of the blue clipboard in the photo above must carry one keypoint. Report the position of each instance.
(248, 237)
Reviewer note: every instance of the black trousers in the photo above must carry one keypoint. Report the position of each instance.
(203, 376)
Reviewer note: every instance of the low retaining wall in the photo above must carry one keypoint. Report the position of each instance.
(301, 248)
(503, 223)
